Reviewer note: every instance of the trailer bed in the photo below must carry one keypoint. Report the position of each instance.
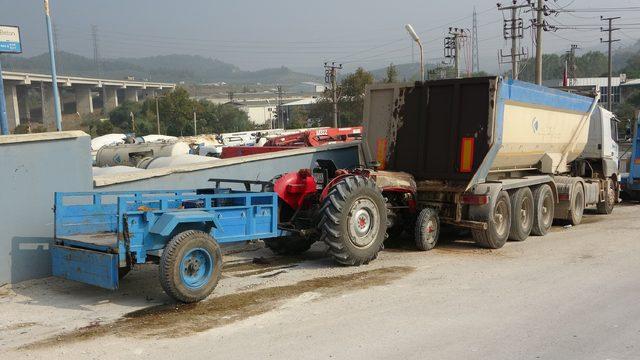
(107, 241)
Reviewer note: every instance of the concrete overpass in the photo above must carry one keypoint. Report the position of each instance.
(79, 90)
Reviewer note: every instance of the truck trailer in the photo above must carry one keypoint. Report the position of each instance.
(503, 158)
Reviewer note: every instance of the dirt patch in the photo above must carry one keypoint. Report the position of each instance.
(18, 326)
(179, 320)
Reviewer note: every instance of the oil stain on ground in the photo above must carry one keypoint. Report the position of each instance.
(179, 320)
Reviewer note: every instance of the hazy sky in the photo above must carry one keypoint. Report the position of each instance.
(300, 34)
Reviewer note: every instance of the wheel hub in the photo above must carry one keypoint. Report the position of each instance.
(363, 219)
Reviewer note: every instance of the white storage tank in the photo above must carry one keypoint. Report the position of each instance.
(165, 162)
(131, 154)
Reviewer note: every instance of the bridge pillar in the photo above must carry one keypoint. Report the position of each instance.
(11, 99)
(84, 99)
(131, 94)
(109, 98)
(23, 103)
(48, 106)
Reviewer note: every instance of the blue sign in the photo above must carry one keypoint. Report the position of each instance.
(10, 39)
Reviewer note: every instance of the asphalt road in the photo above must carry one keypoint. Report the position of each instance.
(573, 294)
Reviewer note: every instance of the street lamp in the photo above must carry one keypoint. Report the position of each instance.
(416, 38)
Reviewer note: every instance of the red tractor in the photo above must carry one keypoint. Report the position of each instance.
(350, 210)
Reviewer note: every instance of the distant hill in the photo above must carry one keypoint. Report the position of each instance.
(166, 68)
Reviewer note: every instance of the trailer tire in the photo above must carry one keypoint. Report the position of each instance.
(354, 221)
(289, 245)
(543, 210)
(190, 266)
(498, 226)
(427, 229)
(606, 207)
(577, 205)
(521, 214)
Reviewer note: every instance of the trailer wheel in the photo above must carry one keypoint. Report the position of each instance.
(289, 245)
(543, 210)
(427, 229)
(497, 232)
(606, 207)
(521, 214)
(577, 205)
(190, 266)
(354, 221)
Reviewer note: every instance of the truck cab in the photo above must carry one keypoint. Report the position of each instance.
(602, 143)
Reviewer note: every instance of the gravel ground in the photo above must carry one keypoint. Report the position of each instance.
(573, 294)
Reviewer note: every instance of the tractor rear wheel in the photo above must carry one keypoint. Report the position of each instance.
(354, 220)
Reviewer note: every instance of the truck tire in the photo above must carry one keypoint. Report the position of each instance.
(543, 210)
(427, 229)
(606, 207)
(354, 221)
(577, 205)
(190, 266)
(289, 245)
(521, 214)
(499, 224)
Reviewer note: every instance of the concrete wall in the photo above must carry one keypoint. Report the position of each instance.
(33, 167)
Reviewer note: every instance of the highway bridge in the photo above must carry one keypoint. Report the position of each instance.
(29, 96)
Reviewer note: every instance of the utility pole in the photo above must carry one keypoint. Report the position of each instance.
(475, 54)
(572, 65)
(610, 41)
(54, 74)
(513, 30)
(452, 47)
(96, 50)
(195, 123)
(539, 24)
(157, 115)
(330, 77)
(280, 120)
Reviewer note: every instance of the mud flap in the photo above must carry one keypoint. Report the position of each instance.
(86, 266)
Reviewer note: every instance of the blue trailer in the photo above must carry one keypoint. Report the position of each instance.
(100, 236)
(630, 183)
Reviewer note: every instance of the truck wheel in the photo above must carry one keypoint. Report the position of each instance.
(521, 214)
(354, 221)
(190, 266)
(606, 207)
(427, 229)
(289, 245)
(543, 210)
(497, 232)
(577, 205)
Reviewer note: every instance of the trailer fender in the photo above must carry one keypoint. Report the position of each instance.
(482, 213)
(167, 222)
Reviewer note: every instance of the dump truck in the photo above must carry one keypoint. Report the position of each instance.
(500, 157)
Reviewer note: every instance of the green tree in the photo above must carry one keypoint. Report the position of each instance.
(104, 127)
(392, 74)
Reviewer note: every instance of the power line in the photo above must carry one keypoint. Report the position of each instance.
(96, 50)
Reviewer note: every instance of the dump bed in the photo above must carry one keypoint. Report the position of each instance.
(460, 130)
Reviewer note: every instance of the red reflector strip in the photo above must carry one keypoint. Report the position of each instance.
(563, 197)
(466, 154)
(475, 199)
(637, 161)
